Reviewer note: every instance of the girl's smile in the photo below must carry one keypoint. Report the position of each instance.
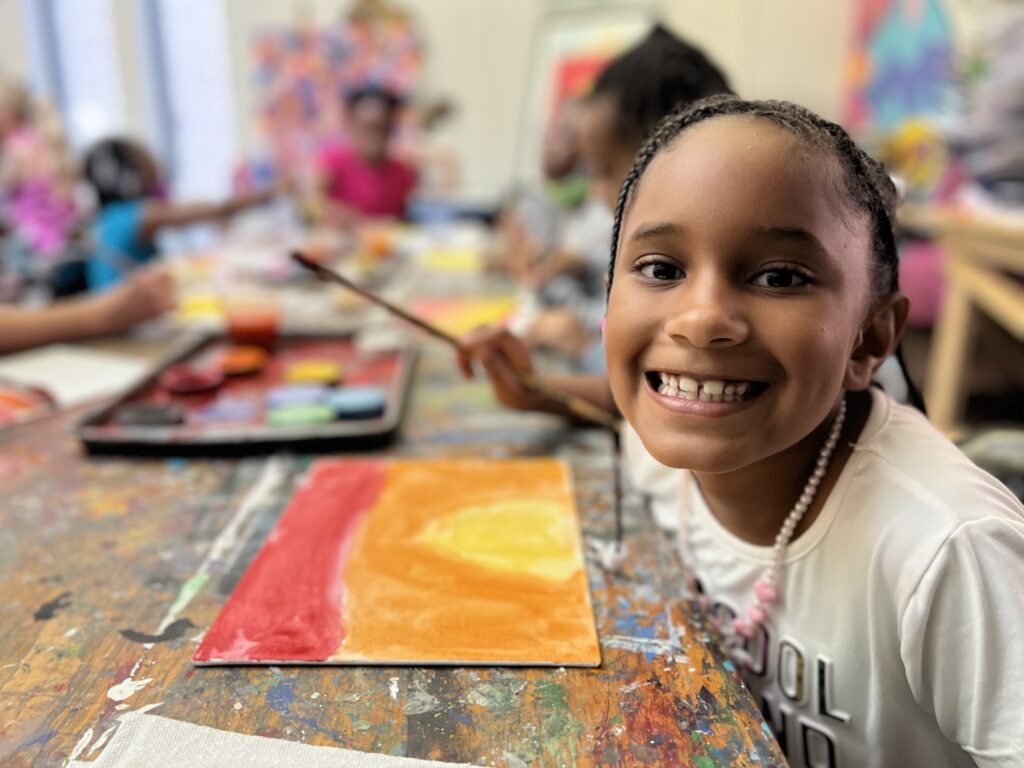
(738, 298)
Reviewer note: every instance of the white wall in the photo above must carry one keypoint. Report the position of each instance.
(783, 49)
(14, 53)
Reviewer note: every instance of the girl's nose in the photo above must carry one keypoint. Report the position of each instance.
(708, 314)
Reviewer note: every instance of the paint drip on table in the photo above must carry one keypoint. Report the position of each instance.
(416, 562)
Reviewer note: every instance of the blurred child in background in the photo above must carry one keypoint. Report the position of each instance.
(649, 81)
(132, 207)
(556, 242)
(360, 179)
(37, 189)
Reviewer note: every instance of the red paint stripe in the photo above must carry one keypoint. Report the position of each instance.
(288, 605)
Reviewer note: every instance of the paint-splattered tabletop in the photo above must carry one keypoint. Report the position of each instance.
(111, 569)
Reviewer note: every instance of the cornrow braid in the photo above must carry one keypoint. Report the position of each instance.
(863, 179)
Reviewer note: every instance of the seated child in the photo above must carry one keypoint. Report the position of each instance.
(866, 577)
(361, 179)
(555, 241)
(629, 97)
(126, 180)
(659, 74)
(38, 185)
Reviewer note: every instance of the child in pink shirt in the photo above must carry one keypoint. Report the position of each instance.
(361, 179)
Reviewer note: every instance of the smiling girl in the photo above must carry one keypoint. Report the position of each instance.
(866, 576)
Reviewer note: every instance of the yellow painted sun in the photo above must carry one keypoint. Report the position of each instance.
(532, 537)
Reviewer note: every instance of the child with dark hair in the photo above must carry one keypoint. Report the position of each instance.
(649, 81)
(867, 578)
(129, 191)
(630, 97)
(361, 179)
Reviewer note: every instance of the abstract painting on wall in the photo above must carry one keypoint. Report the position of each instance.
(416, 562)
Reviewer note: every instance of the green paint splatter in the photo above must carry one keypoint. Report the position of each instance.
(501, 696)
(559, 727)
(188, 591)
(702, 761)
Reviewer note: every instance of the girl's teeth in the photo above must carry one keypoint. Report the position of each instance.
(714, 387)
(712, 391)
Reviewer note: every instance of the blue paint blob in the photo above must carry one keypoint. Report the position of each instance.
(357, 402)
(281, 697)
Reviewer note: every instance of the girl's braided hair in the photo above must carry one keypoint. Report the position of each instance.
(863, 180)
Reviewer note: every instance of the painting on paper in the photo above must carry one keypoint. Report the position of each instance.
(416, 562)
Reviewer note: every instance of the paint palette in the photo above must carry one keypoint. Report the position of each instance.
(311, 393)
(459, 561)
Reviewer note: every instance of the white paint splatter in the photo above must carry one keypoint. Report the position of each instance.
(638, 684)
(421, 700)
(127, 688)
(102, 740)
(71, 632)
(315, 695)
(238, 706)
(81, 745)
(121, 707)
(641, 644)
(227, 541)
(393, 688)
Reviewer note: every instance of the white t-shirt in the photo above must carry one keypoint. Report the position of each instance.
(899, 636)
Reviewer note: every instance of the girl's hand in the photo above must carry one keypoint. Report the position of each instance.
(504, 357)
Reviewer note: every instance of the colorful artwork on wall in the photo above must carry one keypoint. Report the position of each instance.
(902, 83)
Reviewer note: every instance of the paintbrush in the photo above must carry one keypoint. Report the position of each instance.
(575, 405)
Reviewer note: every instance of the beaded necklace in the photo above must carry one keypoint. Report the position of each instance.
(766, 587)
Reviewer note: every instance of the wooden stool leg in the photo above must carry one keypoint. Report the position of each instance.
(947, 369)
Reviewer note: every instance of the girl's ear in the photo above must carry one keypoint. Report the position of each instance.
(878, 339)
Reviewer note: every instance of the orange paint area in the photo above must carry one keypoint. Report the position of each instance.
(470, 562)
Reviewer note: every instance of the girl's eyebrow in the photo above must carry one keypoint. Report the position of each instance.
(656, 229)
(794, 235)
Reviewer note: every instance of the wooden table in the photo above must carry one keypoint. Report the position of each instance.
(983, 270)
(96, 553)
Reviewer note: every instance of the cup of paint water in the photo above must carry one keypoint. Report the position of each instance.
(253, 319)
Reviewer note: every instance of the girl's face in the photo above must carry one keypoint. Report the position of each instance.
(742, 274)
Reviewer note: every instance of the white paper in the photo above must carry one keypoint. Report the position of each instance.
(150, 741)
(72, 374)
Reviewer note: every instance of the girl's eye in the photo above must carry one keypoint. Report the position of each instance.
(660, 270)
(781, 278)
